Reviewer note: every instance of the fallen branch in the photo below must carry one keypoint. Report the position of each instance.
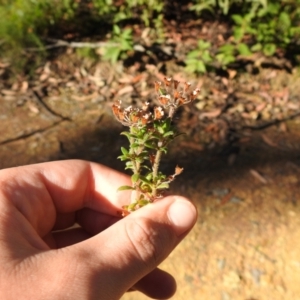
(272, 122)
(29, 134)
(62, 43)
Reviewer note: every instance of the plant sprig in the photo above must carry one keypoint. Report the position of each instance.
(150, 132)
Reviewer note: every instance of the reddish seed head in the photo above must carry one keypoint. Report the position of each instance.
(182, 101)
(187, 86)
(115, 109)
(176, 95)
(178, 170)
(176, 83)
(145, 107)
(134, 117)
(152, 158)
(119, 114)
(145, 118)
(168, 81)
(164, 100)
(194, 94)
(158, 113)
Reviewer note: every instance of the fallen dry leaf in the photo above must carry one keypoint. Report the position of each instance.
(210, 114)
(4, 65)
(138, 78)
(293, 106)
(126, 79)
(193, 146)
(225, 81)
(24, 87)
(268, 141)
(8, 92)
(44, 77)
(125, 90)
(282, 127)
(260, 106)
(33, 108)
(266, 96)
(226, 199)
(231, 73)
(258, 176)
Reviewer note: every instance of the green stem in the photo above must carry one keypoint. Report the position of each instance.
(155, 170)
(171, 112)
(131, 151)
(136, 167)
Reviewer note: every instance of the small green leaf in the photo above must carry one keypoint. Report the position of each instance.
(238, 19)
(200, 67)
(145, 188)
(150, 145)
(124, 151)
(163, 185)
(123, 157)
(238, 33)
(269, 49)
(146, 167)
(129, 165)
(135, 178)
(116, 30)
(164, 150)
(191, 66)
(128, 135)
(143, 202)
(193, 54)
(243, 49)
(227, 49)
(145, 136)
(228, 59)
(135, 145)
(149, 176)
(206, 57)
(257, 47)
(203, 45)
(131, 207)
(144, 179)
(125, 187)
(160, 130)
(168, 133)
(139, 159)
(112, 54)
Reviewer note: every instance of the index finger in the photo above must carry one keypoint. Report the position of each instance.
(42, 190)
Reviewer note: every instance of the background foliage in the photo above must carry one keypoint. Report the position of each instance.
(254, 26)
(269, 27)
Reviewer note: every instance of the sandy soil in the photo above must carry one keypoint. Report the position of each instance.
(246, 244)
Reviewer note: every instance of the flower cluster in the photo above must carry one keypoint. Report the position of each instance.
(134, 116)
(171, 97)
(150, 132)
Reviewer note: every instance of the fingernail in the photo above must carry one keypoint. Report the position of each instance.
(182, 215)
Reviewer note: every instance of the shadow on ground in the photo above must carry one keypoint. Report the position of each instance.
(245, 243)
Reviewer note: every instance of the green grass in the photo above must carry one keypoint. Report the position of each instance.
(265, 26)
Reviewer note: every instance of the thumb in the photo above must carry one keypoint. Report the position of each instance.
(111, 262)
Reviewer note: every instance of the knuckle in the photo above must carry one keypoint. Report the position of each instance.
(150, 242)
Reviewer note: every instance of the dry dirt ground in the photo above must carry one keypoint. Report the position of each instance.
(246, 244)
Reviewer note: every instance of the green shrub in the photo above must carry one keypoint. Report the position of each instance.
(120, 43)
(28, 23)
(25, 22)
(259, 26)
(198, 59)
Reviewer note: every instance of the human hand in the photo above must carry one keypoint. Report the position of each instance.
(42, 257)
